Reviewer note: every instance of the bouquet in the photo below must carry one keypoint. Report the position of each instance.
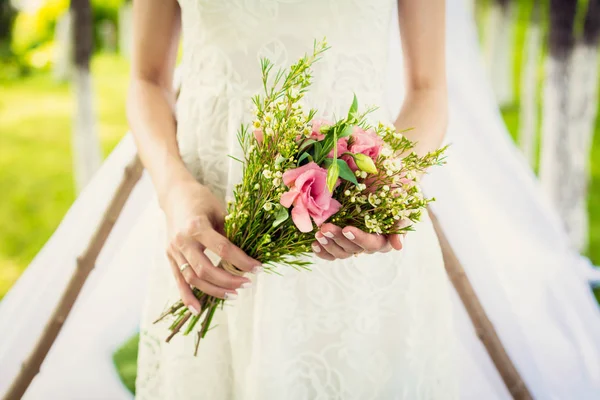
(300, 171)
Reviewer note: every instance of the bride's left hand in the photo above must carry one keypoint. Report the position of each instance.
(334, 242)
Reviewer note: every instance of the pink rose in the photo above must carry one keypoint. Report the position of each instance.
(309, 195)
(365, 142)
(316, 128)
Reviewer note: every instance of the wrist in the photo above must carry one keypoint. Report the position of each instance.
(172, 183)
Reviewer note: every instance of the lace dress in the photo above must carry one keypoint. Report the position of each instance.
(371, 327)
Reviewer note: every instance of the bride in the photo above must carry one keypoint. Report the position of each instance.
(375, 326)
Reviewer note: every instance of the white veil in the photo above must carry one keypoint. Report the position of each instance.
(534, 289)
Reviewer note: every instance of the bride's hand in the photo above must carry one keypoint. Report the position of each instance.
(334, 242)
(195, 219)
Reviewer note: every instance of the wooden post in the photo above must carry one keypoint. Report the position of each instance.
(482, 324)
(85, 264)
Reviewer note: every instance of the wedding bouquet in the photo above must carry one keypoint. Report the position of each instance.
(300, 171)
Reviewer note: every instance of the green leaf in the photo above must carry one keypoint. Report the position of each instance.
(345, 171)
(306, 143)
(347, 131)
(303, 157)
(353, 108)
(280, 216)
(333, 173)
(318, 150)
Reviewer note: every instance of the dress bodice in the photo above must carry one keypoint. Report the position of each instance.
(223, 41)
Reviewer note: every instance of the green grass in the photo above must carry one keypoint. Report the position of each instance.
(125, 360)
(36, 177)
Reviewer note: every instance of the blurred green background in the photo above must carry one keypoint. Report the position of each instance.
(36, 113)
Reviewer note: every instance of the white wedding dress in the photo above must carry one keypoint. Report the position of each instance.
(373, 327)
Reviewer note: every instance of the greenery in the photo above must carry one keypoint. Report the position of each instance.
(36, 176)
(126, 361)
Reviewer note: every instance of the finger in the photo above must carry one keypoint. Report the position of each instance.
(192, 279)
(185, 291)
(331, 247)
(229, 252)
(204, 268)
(397, 240)
(334, 233)
(370, 242)
(321, 252)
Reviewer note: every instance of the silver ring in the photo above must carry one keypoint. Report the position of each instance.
(184, 266)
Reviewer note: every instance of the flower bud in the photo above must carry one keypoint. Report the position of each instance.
(365, 163)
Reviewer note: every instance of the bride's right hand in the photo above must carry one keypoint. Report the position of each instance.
(195, 221)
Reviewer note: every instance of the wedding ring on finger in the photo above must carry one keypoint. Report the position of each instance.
(184, 266)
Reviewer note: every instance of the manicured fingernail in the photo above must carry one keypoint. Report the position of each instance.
(321, 240)
(194, 310)
(257, 270)
(328, 234)
(316, 249)
(246, 285)
(230, 296)
(349, 235)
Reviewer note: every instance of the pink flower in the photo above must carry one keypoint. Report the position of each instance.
(309, 195)
(258, 134)
(316, 128)
(365, 142)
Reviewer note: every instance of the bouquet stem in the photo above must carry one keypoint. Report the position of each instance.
(208, 306)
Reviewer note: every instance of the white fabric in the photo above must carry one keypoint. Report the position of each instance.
(505, 234)
(378, 326)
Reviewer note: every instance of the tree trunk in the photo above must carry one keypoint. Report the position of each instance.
(569, 114)
(498, 49)
(63, 52)
(528, 112)
(582, 117)
(86, 145)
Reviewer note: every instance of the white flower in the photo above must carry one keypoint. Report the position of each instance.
(268, 117)
(363, 174)
(386, 188)
(347, 193)
(256, 124)
(269, 131)
(386, 152)
(268, 206)
(278, 174)
(276, 182)
(256, 187)
(267, 174)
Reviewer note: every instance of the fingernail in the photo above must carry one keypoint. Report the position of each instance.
(257, 270)
(328, 234)
(246, 285)
(321, 240)
(349, 235)
(316, 248)
(230, 296)
(194, 310)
